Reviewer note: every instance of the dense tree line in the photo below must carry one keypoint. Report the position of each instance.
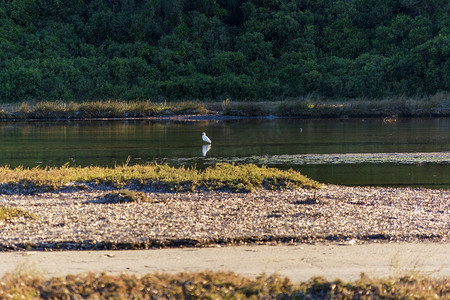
(214, 49)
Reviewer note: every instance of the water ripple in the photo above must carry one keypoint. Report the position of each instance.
(350, 158)
(335, 158)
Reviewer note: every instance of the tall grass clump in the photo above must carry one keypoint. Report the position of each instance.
(248, 109)
(221, 176)
(47, 109)
(4, 114)
(294, 108)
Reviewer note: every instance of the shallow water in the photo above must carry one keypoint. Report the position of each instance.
(354, 152)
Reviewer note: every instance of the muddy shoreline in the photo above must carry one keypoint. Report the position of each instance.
(74, 219)
(220, 117)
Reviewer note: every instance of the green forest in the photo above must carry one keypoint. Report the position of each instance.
(218, 49)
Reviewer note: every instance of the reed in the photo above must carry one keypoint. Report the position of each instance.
(437, 105)
(310, 106)
(99, 109)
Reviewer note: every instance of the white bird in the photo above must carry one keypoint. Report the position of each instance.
(205, 138)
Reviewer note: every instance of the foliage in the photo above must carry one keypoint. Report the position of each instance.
(215, 49)
(216, 285)
(220, 176)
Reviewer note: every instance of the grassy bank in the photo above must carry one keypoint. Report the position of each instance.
(221, 176)
(217, 285)
(437, 105)
(97, 109)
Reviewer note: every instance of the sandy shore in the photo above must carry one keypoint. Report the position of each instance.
(85, 219)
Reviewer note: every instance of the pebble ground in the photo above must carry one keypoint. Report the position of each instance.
(81, 219)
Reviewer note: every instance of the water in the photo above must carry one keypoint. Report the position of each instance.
(351, 152)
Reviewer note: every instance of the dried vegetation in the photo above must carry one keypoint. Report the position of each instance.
(215, 285)
(311, 106)
(437, 105)
(7, 213)
(99, 109)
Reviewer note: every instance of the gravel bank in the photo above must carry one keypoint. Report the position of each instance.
(79, 219)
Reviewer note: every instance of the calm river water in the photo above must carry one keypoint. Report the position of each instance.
(352, 152)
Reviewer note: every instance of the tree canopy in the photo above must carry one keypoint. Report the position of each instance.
(217, 49)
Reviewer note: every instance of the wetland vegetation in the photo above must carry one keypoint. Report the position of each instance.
(98, 109)
(437, 105)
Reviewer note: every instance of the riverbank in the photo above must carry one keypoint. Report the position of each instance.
(433, 106)
(74, 219)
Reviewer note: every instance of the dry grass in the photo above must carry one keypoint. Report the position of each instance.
(221, 176)
(216, 285)
(8, 213)
(99, 109)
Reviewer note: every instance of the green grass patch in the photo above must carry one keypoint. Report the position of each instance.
(221, 176)
(8, 213)
(216, 285)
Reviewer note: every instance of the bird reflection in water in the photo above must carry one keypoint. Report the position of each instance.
(205, 149)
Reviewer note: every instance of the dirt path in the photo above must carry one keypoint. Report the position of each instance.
(298, 262)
